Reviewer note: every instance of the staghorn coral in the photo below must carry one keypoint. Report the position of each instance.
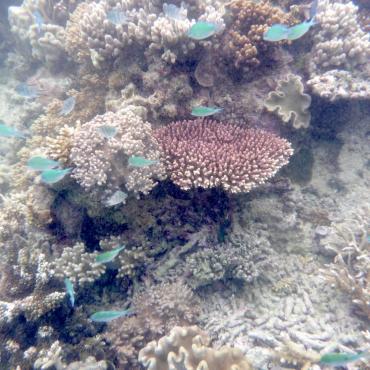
(104, 162)
(188, 348)
(290, 102)
(76, 264)
(157, 309)
(340, 51)
(242, 43)
(210, 154)
(350, 271)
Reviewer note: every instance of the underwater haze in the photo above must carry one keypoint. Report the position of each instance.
(184, 185)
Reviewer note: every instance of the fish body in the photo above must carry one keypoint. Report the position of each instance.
(201, 30)
(300, 29)
(174, 12)
(68, 106)
(277, 32)
(108, 256)
(137, 161)
(107, 131)
(41, 164)
(39, 20)
(54, 175)
(117, 198)
(202, 111)
(106, 316)
(8, 131)
(27, 91)
(117, 17)
(69, 288)
(338, 359)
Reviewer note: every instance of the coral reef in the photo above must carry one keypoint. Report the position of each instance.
(208, 154)
(188, 347)
(100, 161)
(350, 271)
(157, 309)
(290, 102)
(242, 42)
(339, 52)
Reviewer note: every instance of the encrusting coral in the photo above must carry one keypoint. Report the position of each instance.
(204, 153)
(157, 309)
(188, 348)
(242, 42)
(350, 271)
(290, 102)
(340, 51)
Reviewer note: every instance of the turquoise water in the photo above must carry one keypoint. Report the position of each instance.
(184, 185)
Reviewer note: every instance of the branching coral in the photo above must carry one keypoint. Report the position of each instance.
(188, 348)
(290, 102)
(104, 162)
(243, 44)
(157, 310)
(209, 154)
(349, 239)
(340, 51)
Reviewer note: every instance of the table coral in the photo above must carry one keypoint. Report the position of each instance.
(339, 54)
(188, 348)
(242, 42)
(100, 161)
(290, 102)
(350, 271)
(204, 153)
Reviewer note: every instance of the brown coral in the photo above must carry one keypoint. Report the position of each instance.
(243, 44)
(208, 154)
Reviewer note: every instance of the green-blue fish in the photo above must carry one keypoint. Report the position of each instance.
(117, 198)
(68, 106)
(300, 29)
(338, 359)
(41, 163)
(202, 111)
(201, 30)
(108, 131)
(108, 256)
(276, 32)
(106, 316)
(54, 175)
(137, 161)
(7, 131)
(69, 288)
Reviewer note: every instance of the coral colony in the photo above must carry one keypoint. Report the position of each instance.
(184, 185)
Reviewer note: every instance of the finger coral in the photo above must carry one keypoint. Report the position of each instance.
(188, 348)
(243, 44)
(100, 161)
(204, 153)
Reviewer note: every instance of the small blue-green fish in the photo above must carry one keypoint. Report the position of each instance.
(174, 12)
(39, 20)
(313, 9)
(54, 175)
(300, 29)
(107, 131)
(117, 17)
(7, 131)
(68, 106)
(106, 316)
(27, 91)
(117, 198)
(339, 359)
(137, 161)
(41, 163)
(69, 288)
(277, 32)
(202, 111)
(108, 256)
(202, 30)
